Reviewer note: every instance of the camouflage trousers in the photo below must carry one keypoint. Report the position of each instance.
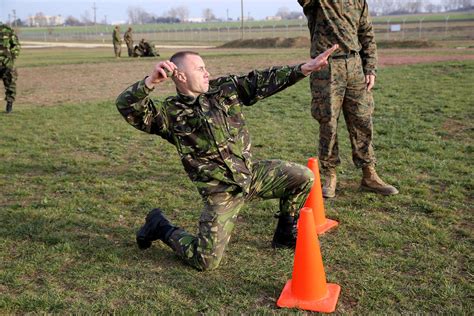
(341, 86)
(9, 76)
(130, 48)
(271, 179)
(117, 49)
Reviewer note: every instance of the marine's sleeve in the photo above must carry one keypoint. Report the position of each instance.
(258, 85)
(141, 112)
(366, 36)
(14, 45)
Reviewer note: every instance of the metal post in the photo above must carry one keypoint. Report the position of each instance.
(446, 26)
(242, 19)
(419, 34)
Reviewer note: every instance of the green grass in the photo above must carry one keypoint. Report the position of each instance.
(76, 182)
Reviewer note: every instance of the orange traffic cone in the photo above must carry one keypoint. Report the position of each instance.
(315, 201)
(308, 289)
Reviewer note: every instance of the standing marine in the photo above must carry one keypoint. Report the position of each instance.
(117, 41)
(9, 51)
(128, 39)
(344, 86)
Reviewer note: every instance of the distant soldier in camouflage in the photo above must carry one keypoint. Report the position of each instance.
(128, 38)
(345, 85)
(9, 51)
(206, 124)
(117, 41)
(145, 49)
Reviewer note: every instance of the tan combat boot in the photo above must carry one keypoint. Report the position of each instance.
(329, 186)
(372, 183)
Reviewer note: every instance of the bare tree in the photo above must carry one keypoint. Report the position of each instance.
(86, 18)
(181, 13)
(137, 15)
(208, 15)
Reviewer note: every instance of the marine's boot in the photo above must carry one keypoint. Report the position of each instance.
(9, 106)
(285, 233)
(372, 183)
(156, 227)
(329, 186)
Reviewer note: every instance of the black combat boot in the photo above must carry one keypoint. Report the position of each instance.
(285, 233)
(156, 227)
(9, 106)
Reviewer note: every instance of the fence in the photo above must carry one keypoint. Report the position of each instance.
(193, 34)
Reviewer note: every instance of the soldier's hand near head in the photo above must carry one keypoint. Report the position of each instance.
(319, 62)
(162, 71)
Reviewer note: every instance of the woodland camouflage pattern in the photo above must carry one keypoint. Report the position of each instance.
(341, 85)
(128, 39)
(9, 51)
(213, 143)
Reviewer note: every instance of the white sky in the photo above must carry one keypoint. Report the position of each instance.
(116, 10)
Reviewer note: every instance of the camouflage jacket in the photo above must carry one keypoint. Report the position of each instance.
(116, 36)
(9, 45)
(209, 131)
(127, 37)
(343, 22)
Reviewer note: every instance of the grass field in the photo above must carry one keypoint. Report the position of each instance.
(76, 182)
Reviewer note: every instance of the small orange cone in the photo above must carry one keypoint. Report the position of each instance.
(315, 201)
(308, 289)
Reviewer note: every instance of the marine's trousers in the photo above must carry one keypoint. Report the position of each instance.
(9, 76)
(341, 86)
(287, 181)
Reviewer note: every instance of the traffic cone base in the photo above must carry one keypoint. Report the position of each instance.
(321, 229)
(324, 305)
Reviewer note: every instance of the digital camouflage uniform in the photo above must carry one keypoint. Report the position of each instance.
(213, 143)
(128, 38)
(117, 41)
(9, 51)
(342, 85)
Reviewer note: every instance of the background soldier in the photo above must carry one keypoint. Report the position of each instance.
(145, 49)
(127, 37)
(205, 123)
(346, 84)
(117, 41)
(9, 51)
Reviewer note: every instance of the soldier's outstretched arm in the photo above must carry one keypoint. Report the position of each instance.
(258, 85)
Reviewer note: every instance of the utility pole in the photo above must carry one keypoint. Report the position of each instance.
(14, 17)
(95, 9)
(227, 14)
(242, 19)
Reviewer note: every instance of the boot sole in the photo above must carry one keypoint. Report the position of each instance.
(369, 189)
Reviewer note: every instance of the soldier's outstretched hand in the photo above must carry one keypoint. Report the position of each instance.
(319, 62)
(162, 71)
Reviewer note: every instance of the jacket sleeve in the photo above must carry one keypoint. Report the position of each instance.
(366, 36)
(258, 85)
(14, 46)
(141, 112)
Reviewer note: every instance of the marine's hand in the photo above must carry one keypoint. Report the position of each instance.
(162, 71)
(319, 62)
(370, 81)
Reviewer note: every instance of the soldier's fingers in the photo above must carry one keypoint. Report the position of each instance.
(168, 66)
(328, 52)
(162, 73)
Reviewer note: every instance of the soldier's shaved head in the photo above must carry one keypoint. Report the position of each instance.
(179, 57)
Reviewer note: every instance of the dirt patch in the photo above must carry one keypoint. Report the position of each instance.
(405, 44)
(274, 42)
(81, 83)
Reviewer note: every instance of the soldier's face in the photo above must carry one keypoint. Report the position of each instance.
(197, 77)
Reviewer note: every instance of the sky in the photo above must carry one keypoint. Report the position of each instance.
(116, 10)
